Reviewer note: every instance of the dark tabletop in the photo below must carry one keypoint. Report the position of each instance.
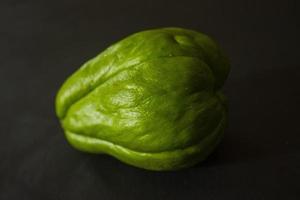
(43, 42)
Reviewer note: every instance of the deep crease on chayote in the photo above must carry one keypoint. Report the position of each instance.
(151, 100)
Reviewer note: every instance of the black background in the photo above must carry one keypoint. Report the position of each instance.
(43, 42)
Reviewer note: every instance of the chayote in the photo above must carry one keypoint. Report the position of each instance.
(151, 100)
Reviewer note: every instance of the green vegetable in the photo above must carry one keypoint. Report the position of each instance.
(151, 100)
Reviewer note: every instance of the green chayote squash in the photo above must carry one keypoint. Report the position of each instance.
(152, 100)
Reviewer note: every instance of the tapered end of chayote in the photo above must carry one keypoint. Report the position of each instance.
(152, 100)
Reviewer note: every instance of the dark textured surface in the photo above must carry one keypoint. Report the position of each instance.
(42, 42)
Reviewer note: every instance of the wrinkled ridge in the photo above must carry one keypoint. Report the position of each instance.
(96, 85)
(153, 152)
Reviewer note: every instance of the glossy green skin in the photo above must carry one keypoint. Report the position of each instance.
(151, 100)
